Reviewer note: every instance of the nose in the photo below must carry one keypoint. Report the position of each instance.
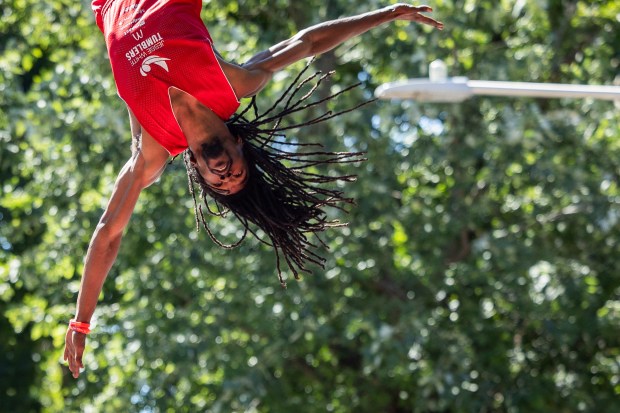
(222, 169)
(220, 165)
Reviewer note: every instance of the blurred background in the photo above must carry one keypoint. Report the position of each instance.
(480, 271)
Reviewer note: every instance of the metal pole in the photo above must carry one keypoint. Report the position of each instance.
(438, 87)
(543, 90)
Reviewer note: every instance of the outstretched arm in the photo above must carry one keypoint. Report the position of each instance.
(144, 166)
(316, 40)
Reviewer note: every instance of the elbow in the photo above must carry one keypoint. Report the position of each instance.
(106, 240)
(146, 173)
(105, 234)
(104, 244)
(138, 168)
(307, 43)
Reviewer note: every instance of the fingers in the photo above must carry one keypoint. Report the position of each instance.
(408, 8)
(78, 360)
(69, 352)
(73, 367)
(423, 9)
(420, 18)
(413, 13)
(75, 364)
(79, 340)
(75, 370)
(74, 349)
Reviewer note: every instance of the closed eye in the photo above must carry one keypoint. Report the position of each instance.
(215, 188)
(219, 191)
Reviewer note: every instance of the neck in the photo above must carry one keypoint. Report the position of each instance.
(197, 122)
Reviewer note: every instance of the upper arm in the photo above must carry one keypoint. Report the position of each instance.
(127, 189)
(282, 54)
(147, 162)
(249, 78)
(137, 173)
(136, 131)
(245, 81)
(154, 155)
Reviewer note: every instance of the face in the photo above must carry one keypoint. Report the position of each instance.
(222, 165)
(216, 153)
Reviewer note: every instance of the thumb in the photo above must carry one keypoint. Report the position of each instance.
(424, 8)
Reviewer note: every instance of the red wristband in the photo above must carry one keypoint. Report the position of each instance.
(80, 327)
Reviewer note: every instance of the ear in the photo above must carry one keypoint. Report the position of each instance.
(192, 158)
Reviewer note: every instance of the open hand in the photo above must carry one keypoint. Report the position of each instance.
(74, 348)
(414, 13)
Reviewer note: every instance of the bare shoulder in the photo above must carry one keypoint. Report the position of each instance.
(245, 80)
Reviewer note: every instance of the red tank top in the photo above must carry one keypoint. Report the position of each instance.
(156, 44)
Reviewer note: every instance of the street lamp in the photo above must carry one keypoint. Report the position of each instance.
(441, 88)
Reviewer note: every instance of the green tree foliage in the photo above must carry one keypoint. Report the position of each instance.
(479, 272)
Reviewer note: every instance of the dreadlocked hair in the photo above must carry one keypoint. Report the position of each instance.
(281, 197)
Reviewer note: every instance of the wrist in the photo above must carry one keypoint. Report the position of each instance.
(79, 326)
(83, 314)
(390, 13)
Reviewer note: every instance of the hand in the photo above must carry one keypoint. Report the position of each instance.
(408, 12)
(74, 348)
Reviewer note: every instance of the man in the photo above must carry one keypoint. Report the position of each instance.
(179, 94)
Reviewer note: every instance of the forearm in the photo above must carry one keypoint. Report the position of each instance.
(320, 39)
(106, 240)
(101, 255)
(326, 36)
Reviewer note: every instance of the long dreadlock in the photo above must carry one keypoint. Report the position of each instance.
(286, 202)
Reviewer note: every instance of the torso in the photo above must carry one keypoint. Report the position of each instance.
(150, 51)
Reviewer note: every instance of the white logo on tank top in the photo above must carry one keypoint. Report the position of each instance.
(145, 68)
(146, 46)
(138, 35)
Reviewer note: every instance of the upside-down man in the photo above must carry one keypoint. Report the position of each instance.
(182, 97)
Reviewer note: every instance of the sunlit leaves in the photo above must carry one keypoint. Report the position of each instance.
(478, 272)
